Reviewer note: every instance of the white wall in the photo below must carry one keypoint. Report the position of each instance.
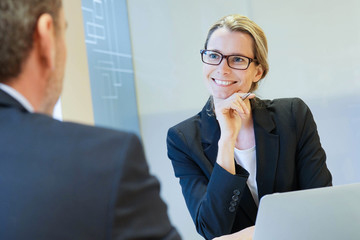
(314, 54)
(76, 104)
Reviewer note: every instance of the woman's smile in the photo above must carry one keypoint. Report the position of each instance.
(223, 83)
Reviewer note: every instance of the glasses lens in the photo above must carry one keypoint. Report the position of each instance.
(238, 62)
(211, 57)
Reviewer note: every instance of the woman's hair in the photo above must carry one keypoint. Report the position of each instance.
(239, 23)
(18, 20)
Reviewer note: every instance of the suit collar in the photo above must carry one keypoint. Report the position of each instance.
(210, 132)
(261, 115)
(9, 102)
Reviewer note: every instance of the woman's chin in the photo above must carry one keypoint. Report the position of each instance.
(221, 95)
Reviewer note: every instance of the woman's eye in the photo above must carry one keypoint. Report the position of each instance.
(238, 59)
(213, 56)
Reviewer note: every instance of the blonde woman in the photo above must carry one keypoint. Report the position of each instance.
(239, 147)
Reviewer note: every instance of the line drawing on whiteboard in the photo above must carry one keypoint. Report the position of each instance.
(110, 60)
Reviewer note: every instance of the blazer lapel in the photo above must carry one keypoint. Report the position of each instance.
(267, 148)
(210, 132)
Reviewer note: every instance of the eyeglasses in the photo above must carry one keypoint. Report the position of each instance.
(234, 61)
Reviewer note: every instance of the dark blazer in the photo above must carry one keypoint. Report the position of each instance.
(289, 157)
(61, 180)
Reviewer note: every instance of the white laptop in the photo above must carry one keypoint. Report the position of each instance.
(330, 213)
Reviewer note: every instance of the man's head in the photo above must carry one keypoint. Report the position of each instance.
(32, 45)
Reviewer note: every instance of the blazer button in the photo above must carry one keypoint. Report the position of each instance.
(232, 209)
(237, 192)
(235, 197)
(232, 204)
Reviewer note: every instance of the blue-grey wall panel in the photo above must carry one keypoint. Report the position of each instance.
(111, 72)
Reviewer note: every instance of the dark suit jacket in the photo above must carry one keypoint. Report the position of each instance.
(289, 157)
(62, 180)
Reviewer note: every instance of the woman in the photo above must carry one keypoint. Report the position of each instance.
(240, 148)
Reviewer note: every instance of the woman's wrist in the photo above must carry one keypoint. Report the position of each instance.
(225, 157)
(228, 139)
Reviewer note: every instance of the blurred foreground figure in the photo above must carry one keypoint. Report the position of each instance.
(61, 180)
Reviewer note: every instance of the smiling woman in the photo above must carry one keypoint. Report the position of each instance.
(239, 147)
(224, 78)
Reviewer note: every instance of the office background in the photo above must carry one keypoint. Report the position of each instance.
(314, 54)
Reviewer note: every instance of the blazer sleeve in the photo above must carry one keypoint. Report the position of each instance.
(211, 193)
(139, 211)
(310, 156)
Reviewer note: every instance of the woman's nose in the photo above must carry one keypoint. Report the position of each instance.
(223, 67)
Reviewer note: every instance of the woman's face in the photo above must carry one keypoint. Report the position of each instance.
(221, 80)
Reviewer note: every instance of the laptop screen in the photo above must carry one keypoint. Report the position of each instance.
(322, 213)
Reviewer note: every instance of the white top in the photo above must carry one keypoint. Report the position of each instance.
(247, 159)
(20, 98)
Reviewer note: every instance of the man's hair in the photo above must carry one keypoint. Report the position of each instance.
(18, 19)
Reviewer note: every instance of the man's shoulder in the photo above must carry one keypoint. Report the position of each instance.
(82, 135)
(49, 123)
(94, 131)
(104, 137)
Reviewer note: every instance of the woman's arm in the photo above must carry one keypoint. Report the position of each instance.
(232, 114)
(208, 190)
(310, 156)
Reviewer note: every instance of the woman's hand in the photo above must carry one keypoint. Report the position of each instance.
(245, 234)
(230, 113)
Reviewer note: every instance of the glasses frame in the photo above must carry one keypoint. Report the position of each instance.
(202, 51)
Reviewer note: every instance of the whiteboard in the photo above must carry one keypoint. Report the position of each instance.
(110, 64)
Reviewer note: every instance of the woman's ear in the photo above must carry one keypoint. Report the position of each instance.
(258, 73)
(45, 39)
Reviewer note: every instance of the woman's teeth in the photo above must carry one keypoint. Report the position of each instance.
(219, 82)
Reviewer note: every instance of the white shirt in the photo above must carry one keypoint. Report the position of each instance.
(20, 98)
(247, 159)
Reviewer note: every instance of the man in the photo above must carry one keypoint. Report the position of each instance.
(61, 180)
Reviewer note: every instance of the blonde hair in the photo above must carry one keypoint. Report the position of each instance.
(240, 23)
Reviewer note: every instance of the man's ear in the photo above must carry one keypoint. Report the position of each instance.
(259, 72)
(45, 36)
